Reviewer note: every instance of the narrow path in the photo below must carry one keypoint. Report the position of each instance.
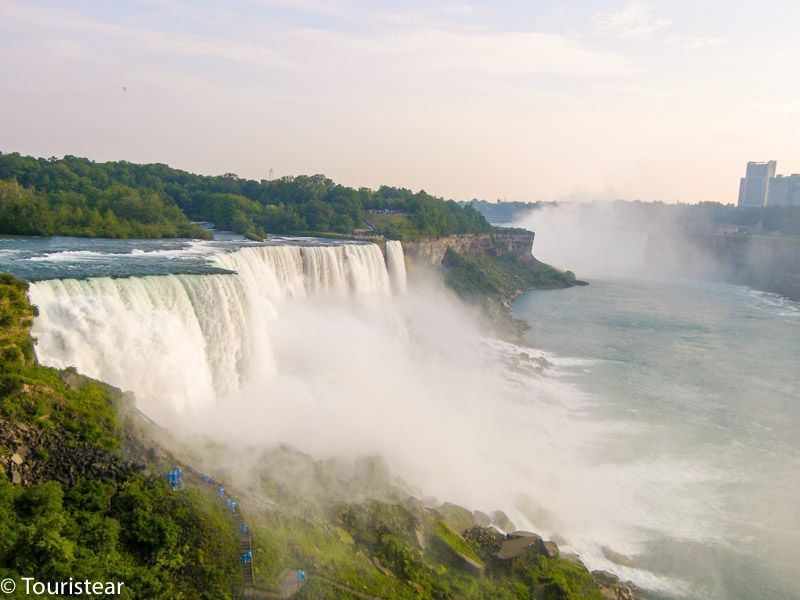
(289, 584)
(245, 539)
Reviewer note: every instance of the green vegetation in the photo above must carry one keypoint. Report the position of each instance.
(493, 281)
(76, 196)
(72, 503)
(500, 277)
(115, 212)
(443, 533)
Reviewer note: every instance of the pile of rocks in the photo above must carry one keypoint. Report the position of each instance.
(500, 551)
(29, 455)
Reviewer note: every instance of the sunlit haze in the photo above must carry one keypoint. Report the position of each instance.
(507, 99)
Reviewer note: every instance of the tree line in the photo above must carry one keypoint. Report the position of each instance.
(77, 196)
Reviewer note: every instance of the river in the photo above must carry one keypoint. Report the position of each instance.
(702, 381)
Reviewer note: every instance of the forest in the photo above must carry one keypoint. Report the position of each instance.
(80, 197)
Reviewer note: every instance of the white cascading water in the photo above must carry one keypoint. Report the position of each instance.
(187, 341)
(395, 263)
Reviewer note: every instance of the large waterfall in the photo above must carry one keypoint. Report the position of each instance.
(187, 341)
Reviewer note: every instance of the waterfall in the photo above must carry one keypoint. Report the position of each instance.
(396, 265)
(184, 341)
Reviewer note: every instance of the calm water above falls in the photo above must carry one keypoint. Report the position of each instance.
(704, 382)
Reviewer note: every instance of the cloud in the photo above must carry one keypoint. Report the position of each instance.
(477, 51)
(506, 53)
(701, 42)
(634, 20)
(88, 31)
(473, 50)
(772, 108)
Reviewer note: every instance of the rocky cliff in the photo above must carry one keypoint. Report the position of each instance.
(767, 263)
(488, 270)
(516, 242)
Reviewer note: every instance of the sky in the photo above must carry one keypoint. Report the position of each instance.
(511, 99)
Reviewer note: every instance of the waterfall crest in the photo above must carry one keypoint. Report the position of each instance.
(185, 341)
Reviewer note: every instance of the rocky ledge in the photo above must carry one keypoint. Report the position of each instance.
(517, 242)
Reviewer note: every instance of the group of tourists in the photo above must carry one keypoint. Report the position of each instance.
(175, 478)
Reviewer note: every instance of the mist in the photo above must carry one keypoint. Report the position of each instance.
(320, 349)
(456, 416)
(618, 239)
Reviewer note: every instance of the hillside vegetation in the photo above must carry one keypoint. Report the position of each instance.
(77, 196)
(75, 503)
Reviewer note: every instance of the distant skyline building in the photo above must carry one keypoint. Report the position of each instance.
(784, 190)
(754, 186)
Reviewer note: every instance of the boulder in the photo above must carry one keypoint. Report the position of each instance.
(519, 542)
(456, 517)
(487, 539)
(612, 588)
(551, 549)
(502, 522)
(573, 559)
(482, 519)
(453, 550)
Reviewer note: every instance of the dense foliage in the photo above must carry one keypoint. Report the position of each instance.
(160, 544)
(78, 508)
(115, 212)
(76, 196)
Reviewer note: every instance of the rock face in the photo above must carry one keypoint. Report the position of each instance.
(455, 558)
(520, 541)
(55, 459)
(430, 252)
(612, 588)
(767, 263)
(502, 522)
(505, 553)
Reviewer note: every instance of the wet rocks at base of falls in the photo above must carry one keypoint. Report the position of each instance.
(612, 588)
(502, 553)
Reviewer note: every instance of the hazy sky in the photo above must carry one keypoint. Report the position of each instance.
(527, 100)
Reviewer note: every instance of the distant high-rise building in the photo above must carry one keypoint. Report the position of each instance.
(784, 191)
(754, 186)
